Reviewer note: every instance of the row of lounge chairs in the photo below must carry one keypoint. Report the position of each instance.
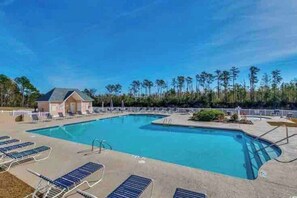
(133, 187)
(13, 151)
(61, 116)
(165, 110)
(49, 117)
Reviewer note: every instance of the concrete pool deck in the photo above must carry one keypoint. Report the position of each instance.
(280, 178)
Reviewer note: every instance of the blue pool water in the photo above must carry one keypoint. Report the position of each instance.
(222, 151)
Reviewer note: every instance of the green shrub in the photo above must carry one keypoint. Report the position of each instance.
(19, 118)
(234, 117)
(208, 115)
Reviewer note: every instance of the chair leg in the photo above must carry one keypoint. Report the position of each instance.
(44, 158)
(7, 167)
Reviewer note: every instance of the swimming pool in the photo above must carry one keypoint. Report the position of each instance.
(222, 151)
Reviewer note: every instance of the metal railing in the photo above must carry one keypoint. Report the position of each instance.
(276, 143)
(93, 143)
(267, 132)
(167, 120)
(101, 144)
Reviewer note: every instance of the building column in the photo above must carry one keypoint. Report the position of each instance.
(50, 108)
(64, 108)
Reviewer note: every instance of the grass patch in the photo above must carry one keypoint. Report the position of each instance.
(11, 186)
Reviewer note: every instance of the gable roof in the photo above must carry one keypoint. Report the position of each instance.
(60, 94)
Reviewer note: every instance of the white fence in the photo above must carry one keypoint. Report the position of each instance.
(262, 112)
(24, 112)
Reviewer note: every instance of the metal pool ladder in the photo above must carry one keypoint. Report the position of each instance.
(102, 144)
(167, 120)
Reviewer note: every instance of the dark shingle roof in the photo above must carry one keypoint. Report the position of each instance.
(60, 94)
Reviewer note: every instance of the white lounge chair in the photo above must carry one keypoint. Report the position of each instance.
(4, 137)
(132, 187)
(88, 113)
(80, 114)
(35, 118)
(9, 141)
(17, 157)
(70, 115)
(180, 192)
(65, 184)
(60, 116)
(22, 145)
(48, 118)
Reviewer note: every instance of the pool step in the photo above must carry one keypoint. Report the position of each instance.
(258, 154)
(262, 150)
(250, 169)
(255, 154)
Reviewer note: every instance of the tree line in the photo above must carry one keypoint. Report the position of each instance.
(218, 89)
(18, 92)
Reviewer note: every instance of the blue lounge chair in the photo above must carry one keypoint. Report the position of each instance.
(4, 137)
(68, 182)
(88, 113)
(48, 118)
(35, 118)
(183, 193)
(16, 157)
(9, 142)
(70, 115)
(132, 187)
(60, 116)
(16, 146)
(80, 114)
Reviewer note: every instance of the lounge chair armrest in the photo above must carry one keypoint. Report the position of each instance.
(34, 173)
(85, 194)
(40, 176)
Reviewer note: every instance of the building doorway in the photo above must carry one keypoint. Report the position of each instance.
(72, 107)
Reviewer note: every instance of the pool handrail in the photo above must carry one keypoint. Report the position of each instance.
(93, 143)
(275, 143)
(263, 134)
(101, 144)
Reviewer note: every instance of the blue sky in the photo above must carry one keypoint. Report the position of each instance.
(92, 43)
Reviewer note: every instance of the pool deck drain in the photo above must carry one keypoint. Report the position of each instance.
(280, 180)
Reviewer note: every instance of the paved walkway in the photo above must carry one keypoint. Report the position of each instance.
(280, 180)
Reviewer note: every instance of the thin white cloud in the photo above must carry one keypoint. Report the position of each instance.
(11, 44)
(6, 2)
(53, 40)
(138, 10)
(254, 33)
(94, 26)
(71, 75)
